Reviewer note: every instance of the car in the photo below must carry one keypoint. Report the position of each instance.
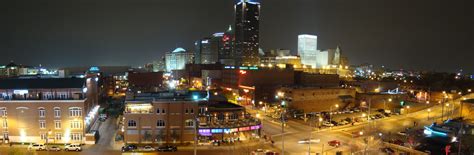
(167, 148)
(327, 124)
(54, 148)
(386, 114)
(402, 133)
(129, 148)
(387, 150)
(343, 122)
(73, 147)
(334, 123)
(148, 148)
(308, 141)
(334, 143)
(37, 147)
(263, 152)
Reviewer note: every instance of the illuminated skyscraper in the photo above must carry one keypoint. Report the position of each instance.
(308, 49)
(178, 59)
(247, 14)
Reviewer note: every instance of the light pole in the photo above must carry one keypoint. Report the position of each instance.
(310, 135)
(330, 113)
(408, 109)
(429, 110)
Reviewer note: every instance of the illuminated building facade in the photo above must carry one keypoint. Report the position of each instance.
(226, 54)
(247, 16)
(56, 110)
(308, 49)
(178, 59)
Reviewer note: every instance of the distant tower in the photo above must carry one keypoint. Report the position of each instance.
(308, 49)
(247, 14)
(337, 56)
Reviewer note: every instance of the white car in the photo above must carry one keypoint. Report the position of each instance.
(327, 124)
(148, 149)
(73, 147)
(54, 148)
(403, 133)
(37, 147)
(308, 141)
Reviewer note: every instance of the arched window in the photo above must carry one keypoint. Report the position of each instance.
(157, 110)
(132, 123)
(160, 123)
(189, 123)
(57, 112)
(42, 112)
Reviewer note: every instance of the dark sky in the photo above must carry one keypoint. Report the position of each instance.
(417, 34)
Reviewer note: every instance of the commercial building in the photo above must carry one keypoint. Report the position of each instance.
(145, 81)
(316, 99)
(177, 59)
(308, 50)
(247, 21)
(54, 110)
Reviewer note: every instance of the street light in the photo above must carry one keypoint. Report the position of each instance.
(330, 113)
(469, 90)
(429, 110)
(408, 109)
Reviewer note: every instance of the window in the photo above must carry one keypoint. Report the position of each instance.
(186, 111)
(42, 112)
(76, 136)
(75, 124)
(192, 111)
(160, 123)
(5, 123)
(132, 123)
(5, 135)
(75, 112)
(43, 136)
(234, 116)
(58, 136)
(57, 112)
(42, 124)
(57, 124)
(189, 123)
(163, 111)
(158, 110)
(3, 112)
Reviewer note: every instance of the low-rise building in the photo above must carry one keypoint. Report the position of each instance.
(316, 99)
(54, 110)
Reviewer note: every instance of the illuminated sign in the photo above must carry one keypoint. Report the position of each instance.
(243, 67)
(94, 69)
(20, 92)
(204, 41)
(217, 130)
(244, 128)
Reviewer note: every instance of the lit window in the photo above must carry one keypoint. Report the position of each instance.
(189, 123)
(42, 124)
(57, 124)
(160, 123)
(132, 123)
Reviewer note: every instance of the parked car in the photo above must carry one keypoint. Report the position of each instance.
(127, 148)
(387, 150)
(343, 122)
(73, 147)
(327, 124)
(167, 148)
(263, 152)
(334, 143)
(148, 148)
(54, 148)
(308, 141)
(37, 147)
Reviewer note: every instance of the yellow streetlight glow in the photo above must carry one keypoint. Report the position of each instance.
(408, 107)
(469, 90)
(390, 99)
(320, 119)
(337, 105)
(363, 115)
(429, 110)
(361, 133)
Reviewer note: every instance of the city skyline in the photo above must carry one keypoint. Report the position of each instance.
(135, 33)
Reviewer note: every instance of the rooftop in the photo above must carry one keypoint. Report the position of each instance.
(39, 83)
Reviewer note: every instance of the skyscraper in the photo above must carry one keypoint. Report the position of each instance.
(178, 59)
(226, 54)
(308, 49)
(247, 14)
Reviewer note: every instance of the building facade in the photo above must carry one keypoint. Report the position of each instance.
(308, 49)
(56, 110)
(247, 19)
(316, 99)
(178, 59)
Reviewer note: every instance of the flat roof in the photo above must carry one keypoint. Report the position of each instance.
(42, 83)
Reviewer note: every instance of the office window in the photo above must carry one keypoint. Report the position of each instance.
(75, 112)
(42, 112)
(57, 112)
(57, 124)
(42, 124)
(160, 123)
(132, 123)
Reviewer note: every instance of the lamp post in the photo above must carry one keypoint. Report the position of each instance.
(408, 109)
(330, 113)
(429, 110)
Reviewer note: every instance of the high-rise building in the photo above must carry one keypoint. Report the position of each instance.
(308, 49)
(226, 54)
(247, 16)
(178, 59)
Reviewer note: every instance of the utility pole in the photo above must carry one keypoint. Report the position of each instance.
(310, 135)
(283, 131)
(195, 134)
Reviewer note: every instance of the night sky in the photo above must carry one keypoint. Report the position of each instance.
(411, 34)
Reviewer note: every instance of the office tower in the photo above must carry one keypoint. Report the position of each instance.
(178, 59)
(247, 14)
(307, 49)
